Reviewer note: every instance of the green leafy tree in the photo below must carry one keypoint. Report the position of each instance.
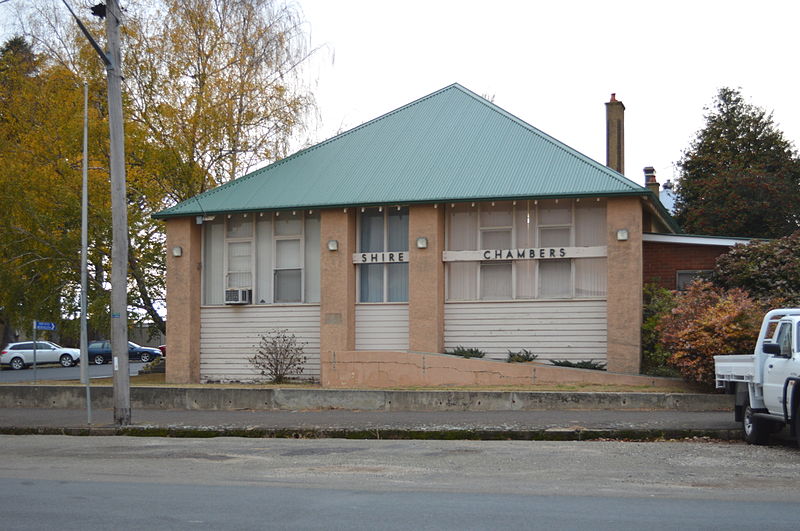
(212, 88)
(40, 190)
(739, 176)
(768, 270)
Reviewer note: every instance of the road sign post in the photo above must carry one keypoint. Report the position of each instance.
(39, 325)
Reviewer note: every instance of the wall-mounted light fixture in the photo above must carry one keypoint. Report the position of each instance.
(333, 245)
(622, 235)
(177, 251)
(422, 242)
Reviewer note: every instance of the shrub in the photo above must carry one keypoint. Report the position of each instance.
(658, 302)
(585, 364)
(709, 321)
(279, 355)
(521, 356)
(764, 269)
(466, 352)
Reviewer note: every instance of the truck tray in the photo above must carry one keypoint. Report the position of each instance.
(734, 368)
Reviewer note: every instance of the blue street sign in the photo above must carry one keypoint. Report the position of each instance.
(44, 325)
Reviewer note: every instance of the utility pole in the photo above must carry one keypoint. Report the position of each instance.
(119, 206)
(119, 222)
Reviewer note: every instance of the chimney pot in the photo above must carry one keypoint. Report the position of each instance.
(650, 180)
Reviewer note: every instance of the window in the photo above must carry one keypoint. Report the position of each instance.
(274, 254)
(288, 269)
(383, 229)
(239, 252)
(555, 230)
(23, 346)
(543, 224)
(495, 233)
(684, 278)
(784, 339)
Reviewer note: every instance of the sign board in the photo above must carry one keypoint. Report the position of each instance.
(44, 325)
(538, 253)
(390, 257)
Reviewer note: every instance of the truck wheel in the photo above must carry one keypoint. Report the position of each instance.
(756, 430)
(796, 426)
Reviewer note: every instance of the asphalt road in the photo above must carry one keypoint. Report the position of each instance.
(57, 372)
(126, 483)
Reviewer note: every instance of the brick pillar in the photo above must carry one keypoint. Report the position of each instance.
(624, 284)
(426, 279)
(183, 300)
(337, 283)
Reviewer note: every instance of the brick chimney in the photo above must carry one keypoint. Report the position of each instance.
(615, 134)
(650, 180)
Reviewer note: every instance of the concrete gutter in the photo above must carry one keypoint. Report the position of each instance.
(576, 434)
(232, 399)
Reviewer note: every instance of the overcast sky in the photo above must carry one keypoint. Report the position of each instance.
(554, 64)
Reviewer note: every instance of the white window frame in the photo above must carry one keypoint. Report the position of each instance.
(257, 241)
(531, 208)
(538, 243)
(250, 239)
(301, 239)
(496, 228)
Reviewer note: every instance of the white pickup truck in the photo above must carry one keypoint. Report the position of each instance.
(767, 398)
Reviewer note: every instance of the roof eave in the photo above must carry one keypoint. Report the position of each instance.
(165, 214)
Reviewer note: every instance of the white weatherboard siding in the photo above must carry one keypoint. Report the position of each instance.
(382, 326)
(566, 329)
(229, 335)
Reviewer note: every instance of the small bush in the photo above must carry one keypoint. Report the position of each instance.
(522, 356)
(585, 364)
(466, 352)
(658, 302)
(279, 355)
(708, 321)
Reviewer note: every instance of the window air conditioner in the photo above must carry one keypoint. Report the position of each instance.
(238, 296)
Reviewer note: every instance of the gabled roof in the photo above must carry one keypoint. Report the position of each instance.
(451, 145)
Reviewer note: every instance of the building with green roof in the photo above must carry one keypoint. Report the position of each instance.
(447, 222)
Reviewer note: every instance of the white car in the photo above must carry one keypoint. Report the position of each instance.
(20, 355)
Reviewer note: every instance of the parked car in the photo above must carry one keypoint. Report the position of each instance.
(163, 349)
(20, 355)
(100, 352)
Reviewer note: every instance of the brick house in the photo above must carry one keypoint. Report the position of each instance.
(446, 222)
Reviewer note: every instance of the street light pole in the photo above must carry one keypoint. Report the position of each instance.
(119, 222)
(84, 254)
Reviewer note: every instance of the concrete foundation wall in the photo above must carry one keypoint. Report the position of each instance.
(381, 369)
(206, 398)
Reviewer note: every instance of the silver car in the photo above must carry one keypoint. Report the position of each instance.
(20, 355)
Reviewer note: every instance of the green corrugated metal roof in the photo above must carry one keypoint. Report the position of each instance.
(451, 145)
